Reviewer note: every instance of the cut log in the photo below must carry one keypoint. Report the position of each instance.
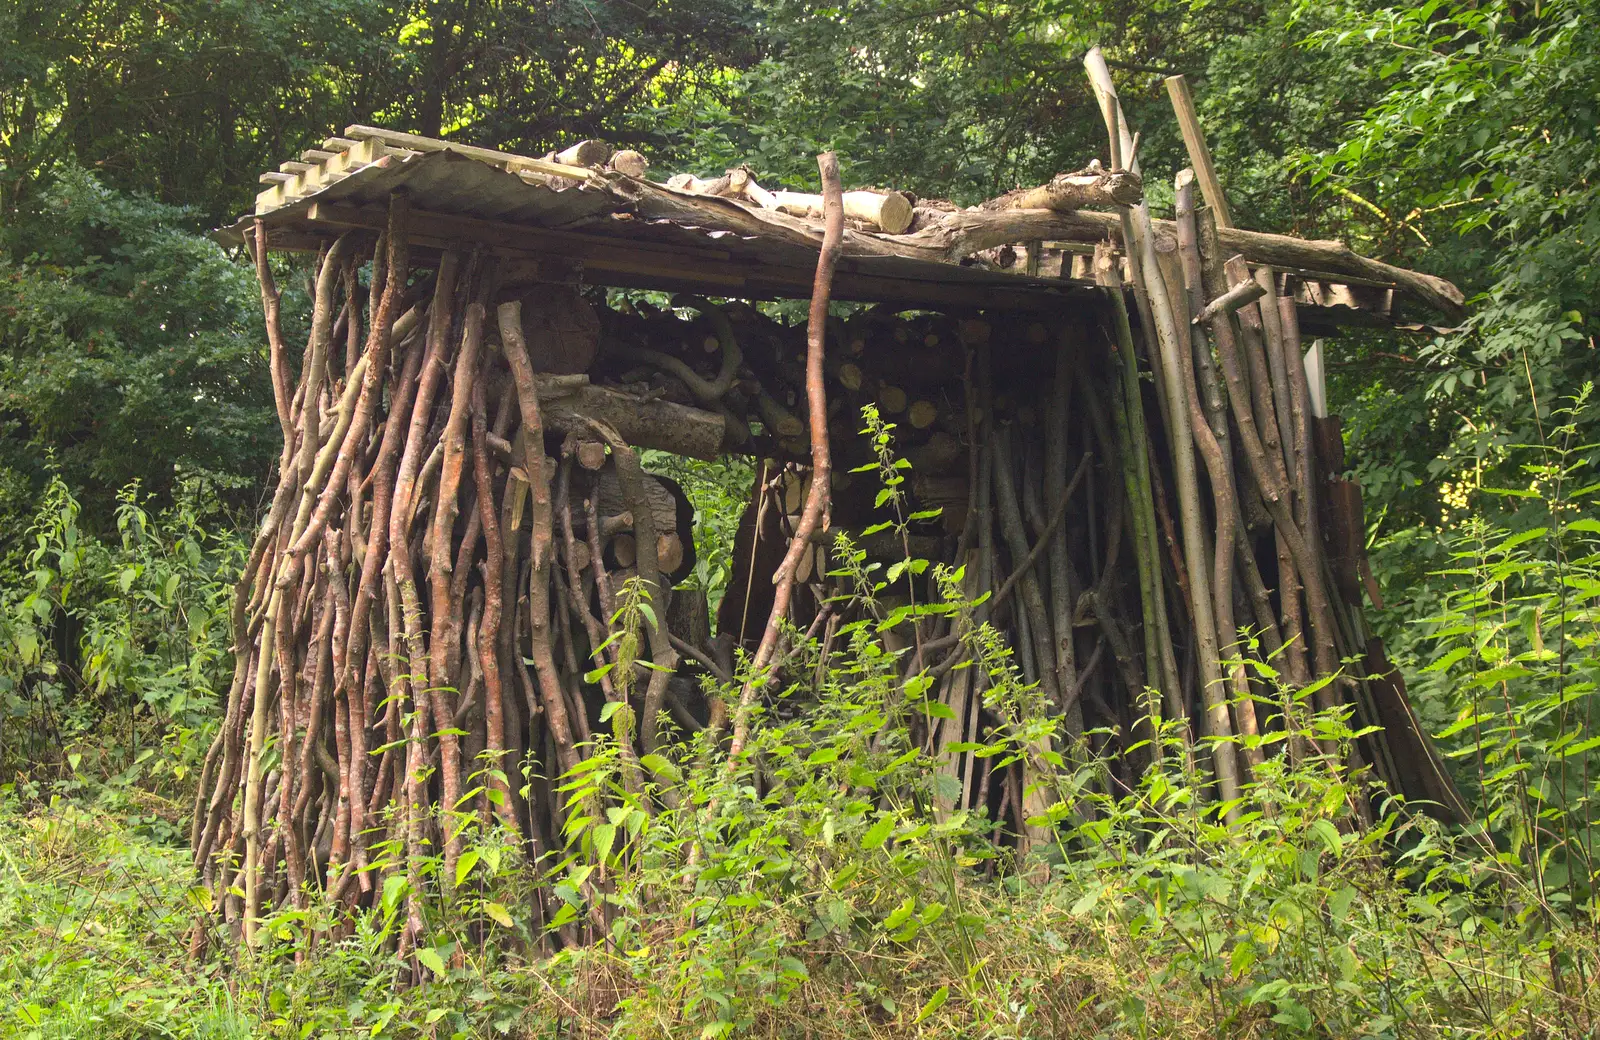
(644, 424)
(893, 399)
(624, 550)
(889, 211)
(591, 455)
(630, 162)
(941, 453)
(922, 414)
(669, 552)
(561, 328)
(1093, 186)
(584, 153)
(610, 501)
(689, 616)
(723, 185)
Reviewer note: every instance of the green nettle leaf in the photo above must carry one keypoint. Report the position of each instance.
(603, 836)
(499, 914)
(934, 1003)
(660, 765)
(430, 959)
(1328, 834)
(900, 914)
(1243, 956)
(464, 865)
(394, 887)
(1294, 1014)
(878, 833)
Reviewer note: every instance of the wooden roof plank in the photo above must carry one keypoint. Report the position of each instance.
(509, 160)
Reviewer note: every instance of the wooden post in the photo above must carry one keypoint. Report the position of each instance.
(1194, 139)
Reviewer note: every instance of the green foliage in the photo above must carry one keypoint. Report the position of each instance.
(185, 101)
(1514, 657)
(1477, 159)
(129, 351)
(719, 491)
(817, 885)
(112, 653)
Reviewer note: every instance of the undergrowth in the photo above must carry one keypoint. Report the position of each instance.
(819, 886)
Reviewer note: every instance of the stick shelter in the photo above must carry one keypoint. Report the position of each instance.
(1108, 419)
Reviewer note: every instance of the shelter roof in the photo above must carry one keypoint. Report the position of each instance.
(561, 222)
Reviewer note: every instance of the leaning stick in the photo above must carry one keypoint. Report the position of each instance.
(1139, 233)
(817, 496)
(663, 658)
(532, 437)
(445, 618)
(1219, 468)
(493, 598)
(271, 310)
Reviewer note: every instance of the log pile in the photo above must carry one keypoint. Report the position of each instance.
(425, 631)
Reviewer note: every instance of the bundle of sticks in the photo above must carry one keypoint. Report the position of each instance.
(421, 550)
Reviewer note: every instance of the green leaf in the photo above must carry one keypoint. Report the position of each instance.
(659, 765)
(1329, 835)
(934, 1003)
(499, 914)
(394, 886)
(432, 961)
(564, 915)
(900, 914)
(604, 836)
(878, 833)
(464, 865)
(1580, 747)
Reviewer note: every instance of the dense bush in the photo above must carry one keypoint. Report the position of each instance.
(112, 650)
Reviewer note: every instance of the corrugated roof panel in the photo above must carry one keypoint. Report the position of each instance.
(681, 238)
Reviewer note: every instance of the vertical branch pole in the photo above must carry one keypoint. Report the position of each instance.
(817, 404)
(1137, 240)
(540, 548)
(270, 312)
(1219, 467)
